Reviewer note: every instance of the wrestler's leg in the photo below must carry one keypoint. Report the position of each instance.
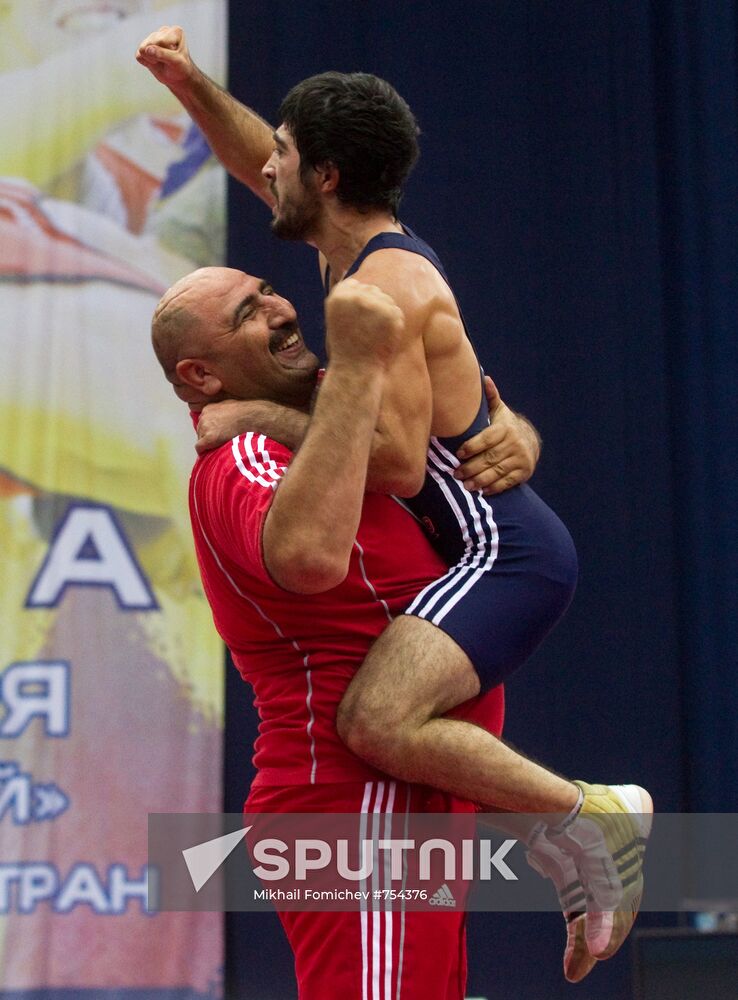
(390, 716)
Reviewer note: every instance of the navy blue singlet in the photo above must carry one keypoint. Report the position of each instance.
(512, 563)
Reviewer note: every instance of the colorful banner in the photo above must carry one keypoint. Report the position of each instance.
(110, 670)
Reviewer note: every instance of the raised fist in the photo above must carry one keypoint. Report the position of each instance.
(165, 54)
(364, 325)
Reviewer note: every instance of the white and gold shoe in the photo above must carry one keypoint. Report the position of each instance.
(607, 842)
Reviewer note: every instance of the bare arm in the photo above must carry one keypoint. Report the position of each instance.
(398, 456)
(311, 526)
(219, 422)
(501, 456)
(240, 139)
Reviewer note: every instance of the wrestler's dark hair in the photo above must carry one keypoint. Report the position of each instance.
(359, 123)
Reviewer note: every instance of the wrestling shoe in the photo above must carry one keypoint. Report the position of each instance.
(607, 843)
(553, 863)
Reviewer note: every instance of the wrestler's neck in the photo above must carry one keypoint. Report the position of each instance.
(344, 232)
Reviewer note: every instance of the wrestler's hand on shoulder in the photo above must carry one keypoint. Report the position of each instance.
(165, 54)
(220, 422)
(364, 325)
(504, 454)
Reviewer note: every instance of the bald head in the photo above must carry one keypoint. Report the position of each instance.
(177, 318)
(220, 333)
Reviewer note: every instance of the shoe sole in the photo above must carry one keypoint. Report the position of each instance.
(578, 962)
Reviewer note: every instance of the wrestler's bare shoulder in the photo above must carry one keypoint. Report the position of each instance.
(432, 321)
(412, 281)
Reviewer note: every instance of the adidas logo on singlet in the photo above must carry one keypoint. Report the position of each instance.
(442, 897)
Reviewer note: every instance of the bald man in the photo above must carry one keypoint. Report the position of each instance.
(303, 571)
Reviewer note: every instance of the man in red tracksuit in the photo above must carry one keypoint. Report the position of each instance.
(361, 559)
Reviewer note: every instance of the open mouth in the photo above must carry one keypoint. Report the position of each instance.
(285, 342)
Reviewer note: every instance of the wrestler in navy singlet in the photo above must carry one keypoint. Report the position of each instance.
(513, 566)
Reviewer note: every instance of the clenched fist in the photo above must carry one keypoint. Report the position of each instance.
(165, 54)
(364, 325)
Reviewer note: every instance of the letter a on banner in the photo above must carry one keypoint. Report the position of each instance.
(89, 549)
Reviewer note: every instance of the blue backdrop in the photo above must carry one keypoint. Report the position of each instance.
(578, 178)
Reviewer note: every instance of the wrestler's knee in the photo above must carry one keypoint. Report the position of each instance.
(363, 726)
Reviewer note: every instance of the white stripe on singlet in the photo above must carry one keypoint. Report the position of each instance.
(270, 621)
(481, 547)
